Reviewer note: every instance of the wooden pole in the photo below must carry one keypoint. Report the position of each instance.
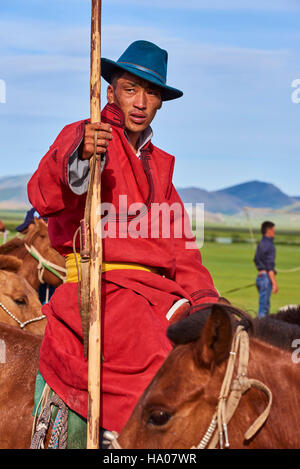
(94, 343)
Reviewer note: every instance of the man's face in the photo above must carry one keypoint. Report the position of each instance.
(138, 99)
(271, 232)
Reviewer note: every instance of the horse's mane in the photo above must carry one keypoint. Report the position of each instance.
(280, 329)
(189, 329)
(276, 332)
(289, 313)
(273, 329)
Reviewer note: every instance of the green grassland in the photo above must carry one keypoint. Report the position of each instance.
(242, 234)
(11, 219)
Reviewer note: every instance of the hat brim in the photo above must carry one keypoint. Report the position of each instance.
(22, 227)
(109, 68)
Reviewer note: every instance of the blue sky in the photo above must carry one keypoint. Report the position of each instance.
(235, 60)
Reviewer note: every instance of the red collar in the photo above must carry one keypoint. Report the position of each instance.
(113, 115)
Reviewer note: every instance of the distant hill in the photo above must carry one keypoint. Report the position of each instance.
(231, 200)
(213, 202)
(228, 201)
(13, 192)
(259, 194)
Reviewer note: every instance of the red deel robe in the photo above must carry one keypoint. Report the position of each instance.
(134, 302)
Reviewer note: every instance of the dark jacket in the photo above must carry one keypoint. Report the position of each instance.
(265, 254)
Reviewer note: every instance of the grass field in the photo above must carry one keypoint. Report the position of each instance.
(232, 266)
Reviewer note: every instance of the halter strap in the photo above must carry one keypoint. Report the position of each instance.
(45, 264)
(231, 393)
(21, 324)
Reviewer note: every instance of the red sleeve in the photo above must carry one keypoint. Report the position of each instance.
(190, 272)
(48, 189)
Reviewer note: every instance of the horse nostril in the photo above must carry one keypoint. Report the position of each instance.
(158, 417)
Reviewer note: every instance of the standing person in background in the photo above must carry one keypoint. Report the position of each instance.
(265, 263)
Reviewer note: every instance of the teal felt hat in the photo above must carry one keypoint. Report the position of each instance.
(145, 60)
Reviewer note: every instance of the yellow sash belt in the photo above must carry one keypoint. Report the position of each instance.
(72, 275)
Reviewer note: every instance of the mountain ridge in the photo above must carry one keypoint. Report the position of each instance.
(232, 199)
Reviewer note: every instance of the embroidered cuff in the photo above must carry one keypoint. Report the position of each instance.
(204, 296)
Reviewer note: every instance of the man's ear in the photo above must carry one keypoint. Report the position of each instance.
(110, 94)
(214, 344)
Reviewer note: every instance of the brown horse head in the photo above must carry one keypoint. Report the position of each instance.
(176, 409)
(2, 226)
(36, 236)
(39, 239)
(18, 297)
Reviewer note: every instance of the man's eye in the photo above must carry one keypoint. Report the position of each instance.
(154, 93)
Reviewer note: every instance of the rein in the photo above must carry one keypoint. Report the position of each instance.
(231, 393)
(45, 264)
(21, 324)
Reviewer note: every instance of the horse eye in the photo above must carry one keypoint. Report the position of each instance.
(20, 301)
(158, 417)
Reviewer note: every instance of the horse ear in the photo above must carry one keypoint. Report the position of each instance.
(10, 263)
(214, 344)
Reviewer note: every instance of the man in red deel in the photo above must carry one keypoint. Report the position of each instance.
(149, 264)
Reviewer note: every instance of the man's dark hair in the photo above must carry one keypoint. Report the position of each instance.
(265, 226)
(115, 76)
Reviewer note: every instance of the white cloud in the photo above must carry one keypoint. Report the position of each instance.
(46, 44)
(43, 36)
(48, 50)
(33, 64)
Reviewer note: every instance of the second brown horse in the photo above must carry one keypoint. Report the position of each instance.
(176, 409)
